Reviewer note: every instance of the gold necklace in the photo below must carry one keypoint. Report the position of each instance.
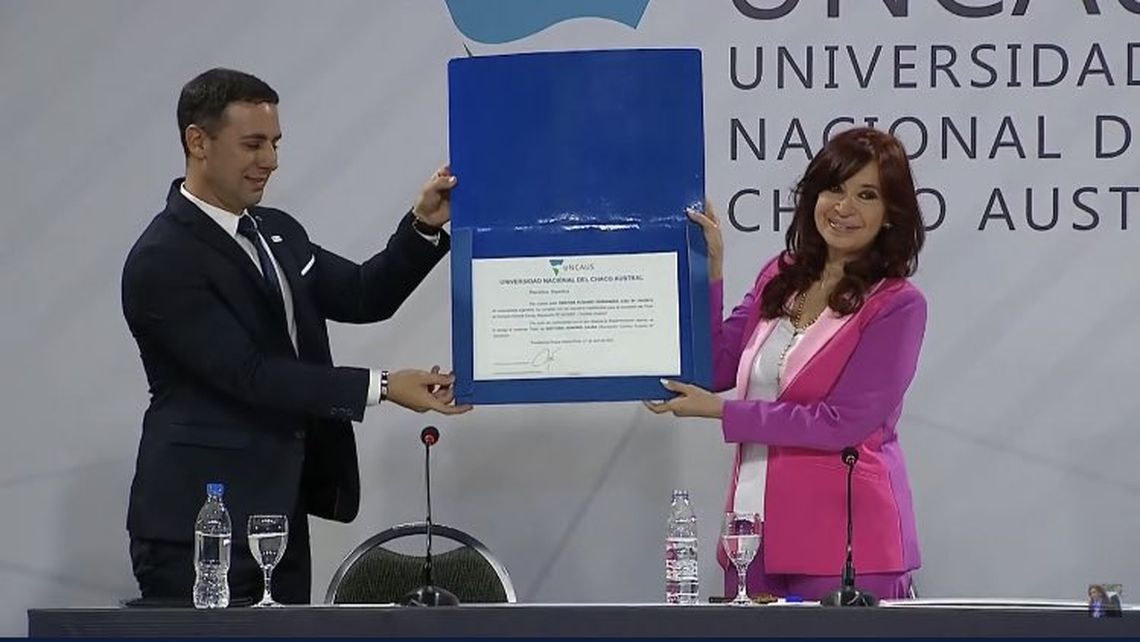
(797, 313)
(784, 357)
(798, 328)
(798, 321)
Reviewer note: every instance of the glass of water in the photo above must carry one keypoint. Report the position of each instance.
(268, 535)
(740, 536)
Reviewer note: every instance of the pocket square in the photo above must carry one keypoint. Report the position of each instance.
(309, 265)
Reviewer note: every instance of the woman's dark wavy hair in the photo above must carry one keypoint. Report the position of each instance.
(893, 252)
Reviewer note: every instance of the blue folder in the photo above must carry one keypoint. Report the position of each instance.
(571, 154)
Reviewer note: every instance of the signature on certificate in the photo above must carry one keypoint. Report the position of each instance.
(544, 358)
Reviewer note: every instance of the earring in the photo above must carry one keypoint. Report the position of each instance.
(888, 225)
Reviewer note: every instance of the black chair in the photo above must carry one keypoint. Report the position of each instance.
(373, 573)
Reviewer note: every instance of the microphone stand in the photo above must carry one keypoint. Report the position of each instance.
(429, 594)
(847, 594)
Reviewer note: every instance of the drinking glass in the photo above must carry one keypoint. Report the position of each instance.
(740, 537)
(268, 535)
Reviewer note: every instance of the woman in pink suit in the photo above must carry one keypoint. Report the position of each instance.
(820, 353)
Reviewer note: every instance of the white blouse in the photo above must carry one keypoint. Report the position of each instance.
(765, 382)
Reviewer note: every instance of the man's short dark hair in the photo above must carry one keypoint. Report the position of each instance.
(204, 98)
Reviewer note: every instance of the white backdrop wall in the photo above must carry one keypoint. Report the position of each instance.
(1020, 427)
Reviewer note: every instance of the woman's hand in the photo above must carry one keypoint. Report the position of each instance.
(692, 401)
(713, 238)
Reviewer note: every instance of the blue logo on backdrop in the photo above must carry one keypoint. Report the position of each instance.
(497, 21)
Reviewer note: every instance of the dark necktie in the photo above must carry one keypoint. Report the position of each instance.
(248, 229)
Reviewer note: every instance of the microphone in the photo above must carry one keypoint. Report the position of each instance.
(429, 594)
(847, 594)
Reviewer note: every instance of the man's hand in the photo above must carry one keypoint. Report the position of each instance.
(421, 391)
(433, 207)
(693, 401)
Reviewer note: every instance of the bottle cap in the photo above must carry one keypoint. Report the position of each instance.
(215, 489)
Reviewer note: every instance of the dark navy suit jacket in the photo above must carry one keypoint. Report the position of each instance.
(230, 399)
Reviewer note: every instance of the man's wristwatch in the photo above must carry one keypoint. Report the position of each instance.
(424, 228)
(383, 385)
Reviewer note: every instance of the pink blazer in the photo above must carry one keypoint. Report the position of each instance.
(846, 382)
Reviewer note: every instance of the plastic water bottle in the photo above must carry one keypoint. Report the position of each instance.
(213, 534)
(681, 576)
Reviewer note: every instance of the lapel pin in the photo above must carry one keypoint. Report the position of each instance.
(275, 238)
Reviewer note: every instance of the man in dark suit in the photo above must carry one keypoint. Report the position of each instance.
(228, 302)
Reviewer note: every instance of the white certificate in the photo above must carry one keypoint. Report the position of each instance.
(606, 315)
